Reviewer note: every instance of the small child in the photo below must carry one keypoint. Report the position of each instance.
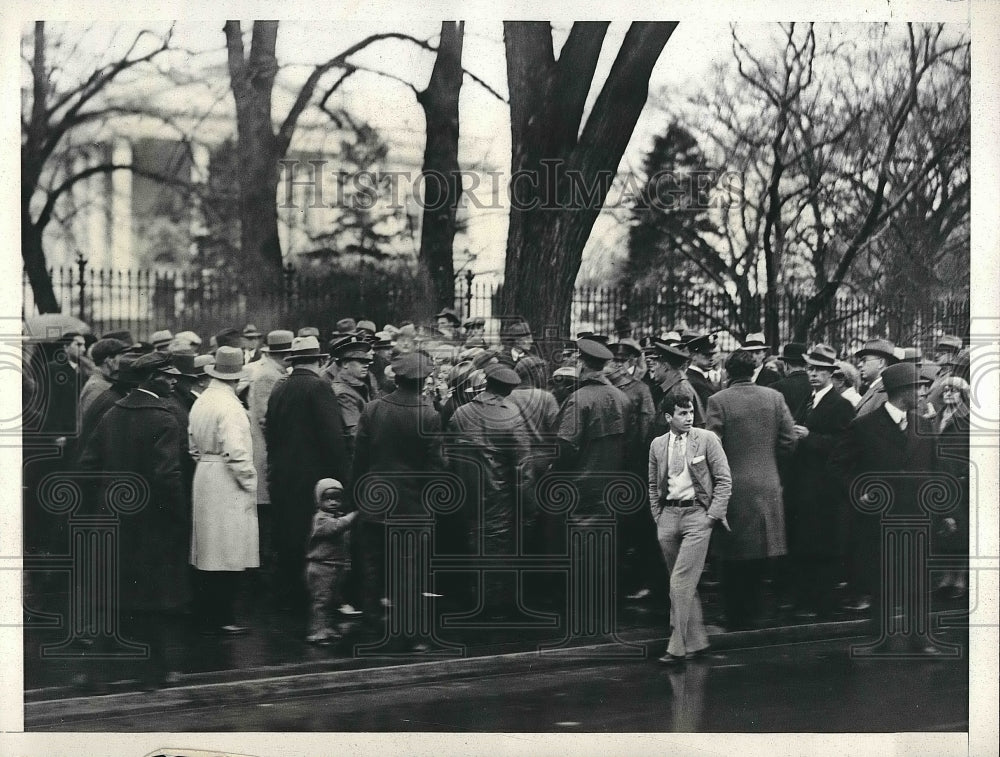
(328, 556)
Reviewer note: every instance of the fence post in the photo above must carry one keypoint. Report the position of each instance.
(81, 264)
(469, 276)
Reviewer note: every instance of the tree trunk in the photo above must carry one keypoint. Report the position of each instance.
(560, 180)
(252, 80)
(33, 255)
(442, 181)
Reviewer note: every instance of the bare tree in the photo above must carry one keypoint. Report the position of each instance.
(836, 143)
(561, 167)
(55, 111)
(442, 180)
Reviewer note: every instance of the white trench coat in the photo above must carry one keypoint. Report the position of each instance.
(224, 530)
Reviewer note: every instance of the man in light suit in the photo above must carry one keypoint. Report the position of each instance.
(689, 488)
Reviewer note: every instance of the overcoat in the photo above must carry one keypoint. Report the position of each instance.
(399, 437)
(490, 449)
(224, 530)
(702, 384)
(140, 435)
(591, 430)
(264, 375)
(814, 505)
(755, 427)
(305, 442)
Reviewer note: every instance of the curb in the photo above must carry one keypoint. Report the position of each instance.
(250, 686)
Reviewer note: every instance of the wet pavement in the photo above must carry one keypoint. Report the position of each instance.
(805, 687)
(276, 644)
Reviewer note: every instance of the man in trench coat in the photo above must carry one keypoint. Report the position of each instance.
(224, 530)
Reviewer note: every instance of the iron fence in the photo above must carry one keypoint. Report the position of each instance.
(146, 300)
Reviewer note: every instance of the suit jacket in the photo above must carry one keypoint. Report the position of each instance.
(815, 510)
(707, 465)
(874, 445)
(873, 399)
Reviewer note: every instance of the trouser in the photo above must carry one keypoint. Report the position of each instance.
(743, 591)
(292, 523)
(864, 549)
(640, 557)
(324, 581)
(215, 597)
(684, 534)
(371, 537)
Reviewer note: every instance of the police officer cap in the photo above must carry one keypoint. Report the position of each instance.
(593, 349)
(502, 374)
(154, 362)
(413, 365)
(354, 347)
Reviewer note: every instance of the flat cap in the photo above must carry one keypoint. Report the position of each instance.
(105, 348)
(154, 362)
(415, 366)
(502, 374)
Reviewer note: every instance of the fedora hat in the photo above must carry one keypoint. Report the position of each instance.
(822, 356)
(164, 336)
(901, 375)
(250, 331)
(305, 348)
(949, 343)
(879, 348)
(793, 352)
(450, 314)
(229, 338)
(755, 341)
(516, 329)
(308, 331)
(185, 364)
(625, 348)
(278, 342)
(228, 364)
(367, 327)
(702, 343)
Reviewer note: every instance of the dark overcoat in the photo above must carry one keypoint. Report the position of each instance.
(797, 391)
(703, 386)
(815, 509)
(489, 448)
(140, 435)
(399, 442)
(755, 427)
(305, 442)
(592, 435)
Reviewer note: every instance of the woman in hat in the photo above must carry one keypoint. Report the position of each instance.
(224, 535)
(952, 528)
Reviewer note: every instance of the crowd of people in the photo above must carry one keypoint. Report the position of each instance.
(273, 452)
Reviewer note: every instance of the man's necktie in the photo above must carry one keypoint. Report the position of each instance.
(676, 466)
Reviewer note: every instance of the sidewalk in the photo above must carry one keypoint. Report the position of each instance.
(276, 647)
